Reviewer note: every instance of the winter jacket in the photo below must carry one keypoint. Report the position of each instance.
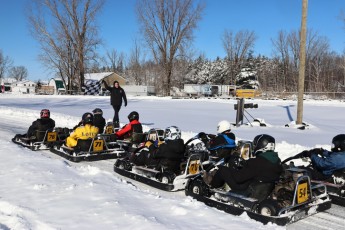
(116, 95)
(169, 154)
(42, 124)
(99, 122)
(83, 132)
(127, 131)
(222, 145)
(328, 162)
(266, 168)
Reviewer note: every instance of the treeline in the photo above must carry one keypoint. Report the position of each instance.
(67, 33)
(325, 69)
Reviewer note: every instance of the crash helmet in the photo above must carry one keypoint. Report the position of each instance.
(134, 115)
(263, 143)
(172, 133)
(45, 113)
(223, 126)
(97, 111)
(338, 143)
(87, 118)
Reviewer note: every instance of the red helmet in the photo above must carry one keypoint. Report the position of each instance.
(45, 113)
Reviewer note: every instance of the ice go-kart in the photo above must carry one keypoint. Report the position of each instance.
(293, 197)
(161, 177)
(42, 139)
(335, 184)
(91, 149)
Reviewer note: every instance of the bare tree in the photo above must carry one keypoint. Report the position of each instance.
(5, 64)
(18, 72)
(114, 61)
(281, 51)
(135, 65)
(71, 36)
(168, 26)
(237, 47)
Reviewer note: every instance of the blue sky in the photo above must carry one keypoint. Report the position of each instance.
(118, 27)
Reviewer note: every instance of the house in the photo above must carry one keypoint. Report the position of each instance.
(93, 82)
(139, 90)
(6, 84)
(25, 86)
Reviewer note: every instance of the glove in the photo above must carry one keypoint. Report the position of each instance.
(155, 143)
(306, 153)
(201, 135)
(317, 151)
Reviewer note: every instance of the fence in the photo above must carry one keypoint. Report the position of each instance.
(307, 95)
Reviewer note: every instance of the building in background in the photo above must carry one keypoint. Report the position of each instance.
(24, 87)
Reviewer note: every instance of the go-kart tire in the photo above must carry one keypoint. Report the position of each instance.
(268, 208)
(166, 177)
(121, 164)
(198, 187)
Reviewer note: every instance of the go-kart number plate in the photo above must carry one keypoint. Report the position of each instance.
(51, 136)
(302, 194)
(194, 167)
(109, 130)
(98, 145)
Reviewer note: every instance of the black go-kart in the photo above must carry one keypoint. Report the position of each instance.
(293, 197)
(42, 140)
(335, 184)
(161, 177)
(91, 149)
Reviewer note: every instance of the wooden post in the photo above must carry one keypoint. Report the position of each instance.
(302, 62)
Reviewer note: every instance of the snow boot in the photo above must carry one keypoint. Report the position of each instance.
(208, 176)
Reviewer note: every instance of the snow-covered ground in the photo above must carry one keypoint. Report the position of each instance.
(39, 190)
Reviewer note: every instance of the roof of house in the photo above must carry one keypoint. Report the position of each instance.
(98, 76)
(18, 83)
(8, 80)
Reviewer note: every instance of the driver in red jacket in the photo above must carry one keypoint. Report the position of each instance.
(134, 126)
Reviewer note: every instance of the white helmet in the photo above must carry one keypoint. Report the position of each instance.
(223, 126)
(172, 133)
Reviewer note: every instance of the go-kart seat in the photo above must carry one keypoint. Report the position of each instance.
(138, 138)
(83, 145)
(260, 190)
(40, 135)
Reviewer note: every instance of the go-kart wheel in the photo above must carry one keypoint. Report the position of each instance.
(121, 164)
(268, 208)
(166, 177)
(198, 187)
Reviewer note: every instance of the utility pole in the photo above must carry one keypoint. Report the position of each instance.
(301, 75)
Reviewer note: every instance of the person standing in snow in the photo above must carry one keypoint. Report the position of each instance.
(117, 94)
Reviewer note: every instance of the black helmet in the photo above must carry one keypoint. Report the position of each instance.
(133, 116)
(87, 118)
(45, 113)
(263, 143)
(97, 111)
(338, 143)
